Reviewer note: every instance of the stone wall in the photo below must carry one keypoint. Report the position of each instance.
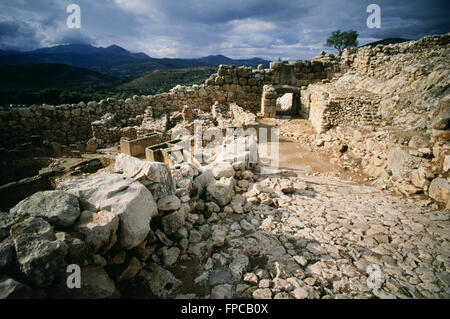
(365, 94)
(329, 108)
(63, 123)
(68, 124)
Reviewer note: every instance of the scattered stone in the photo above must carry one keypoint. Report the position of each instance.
(446, 166)
(265, 283)
(131, 270)
(222, 292)
(299, 293)
(220, 191)
(265, 293)
(238, 266)
(281, 295)
(219, 234)
(251, 278)
(301, 260)
(219, 277)
(170, 256)
(173, 222)
(169, 203)
(212, 207)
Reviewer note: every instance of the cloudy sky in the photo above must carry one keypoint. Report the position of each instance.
(290, 29)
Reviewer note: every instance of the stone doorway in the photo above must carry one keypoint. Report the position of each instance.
(281, 100)
(288, 104)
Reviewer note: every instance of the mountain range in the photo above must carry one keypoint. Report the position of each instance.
(113, 60)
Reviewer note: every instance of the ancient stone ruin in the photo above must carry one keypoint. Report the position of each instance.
(357, 206)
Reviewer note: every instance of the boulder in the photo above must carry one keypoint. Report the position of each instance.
(239, 266)
(169, 203)
(212, 207)
(183, 175)
(446, 166)
(220, 191)
(219, 233)
(419, 178)
(170, 256)
(131, 270)
(224, 291)
(173, 222)
(439, 190)
(442, 119)
(264, 293)
(78, 252)
(12, 289)
(99, 229)
(154, 175)
(123, 197)
(6, 255)
(39, 254)
(401, 163)
(57, 207)
(160, 281)
(202, 181)
(221, 169)
(6, 222)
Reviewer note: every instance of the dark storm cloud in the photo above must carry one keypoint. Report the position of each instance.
(15, 34)
(413, 19)
(237, 28)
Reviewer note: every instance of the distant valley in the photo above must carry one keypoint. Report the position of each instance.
(82, 71)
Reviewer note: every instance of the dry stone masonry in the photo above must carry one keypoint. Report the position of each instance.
(119, 198)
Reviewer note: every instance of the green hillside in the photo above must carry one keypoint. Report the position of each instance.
(50, 76)
(163, 80)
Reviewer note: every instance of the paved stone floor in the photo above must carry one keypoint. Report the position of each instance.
(323, 237)
(331, 239)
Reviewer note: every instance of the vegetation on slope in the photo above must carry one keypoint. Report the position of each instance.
(163, 80)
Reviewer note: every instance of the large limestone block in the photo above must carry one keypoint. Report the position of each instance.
(57, 207)
(122, 196)
(156, 176)
(39, 255)
(221, 169)
(439, 190)
(221, 191)
(402, 164)
(99, 229)
(183, 175)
